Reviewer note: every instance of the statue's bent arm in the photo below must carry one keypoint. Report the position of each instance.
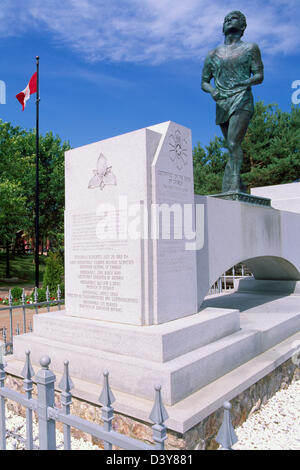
(257, 68)
(206, 78)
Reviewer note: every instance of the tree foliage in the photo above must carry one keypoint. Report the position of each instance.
(12, 210)
(17, 166)
(209, 165)
(271, 152)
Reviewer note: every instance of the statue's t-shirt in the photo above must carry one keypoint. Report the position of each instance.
(230, 65)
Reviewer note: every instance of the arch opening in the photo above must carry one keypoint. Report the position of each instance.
(261, 268)
(272, 268)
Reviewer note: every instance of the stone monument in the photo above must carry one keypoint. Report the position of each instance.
(141, 253)
(235, 67)
(129, 187)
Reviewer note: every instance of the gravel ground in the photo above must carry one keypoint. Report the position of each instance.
(275, 426)
(17, 425)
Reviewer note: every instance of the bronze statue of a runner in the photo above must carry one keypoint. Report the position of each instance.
(235, 67)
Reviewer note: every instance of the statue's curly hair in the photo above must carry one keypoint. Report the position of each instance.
(241, 16)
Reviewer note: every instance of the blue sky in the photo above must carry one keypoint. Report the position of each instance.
(112, 66)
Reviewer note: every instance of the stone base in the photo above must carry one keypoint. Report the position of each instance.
(194, 422)
(183, 356)
(244, 197)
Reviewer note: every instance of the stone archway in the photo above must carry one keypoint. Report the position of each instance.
(266, 240)
(272, 268)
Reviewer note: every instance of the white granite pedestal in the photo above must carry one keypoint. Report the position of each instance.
(134, 305)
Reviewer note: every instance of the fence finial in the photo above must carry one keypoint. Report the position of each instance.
(36, 295)
(23, 296)
(10, 299)
(58, 293)
(158, 414)
(66, 383)
(27, 372)
(45, 362)
(226, 436)
(107, 397)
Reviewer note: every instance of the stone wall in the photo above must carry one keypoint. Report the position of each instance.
(201, 436)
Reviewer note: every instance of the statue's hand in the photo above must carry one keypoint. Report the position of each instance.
(216, 94)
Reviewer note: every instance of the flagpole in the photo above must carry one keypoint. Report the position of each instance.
(37, 184)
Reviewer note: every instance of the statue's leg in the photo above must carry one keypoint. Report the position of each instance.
(237, 128)
(228, 168)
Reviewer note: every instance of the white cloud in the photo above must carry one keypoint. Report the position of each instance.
(151, 31)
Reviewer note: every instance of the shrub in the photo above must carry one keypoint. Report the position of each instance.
(54, 273)
(41, 295)
(62, 290)
(16, 293)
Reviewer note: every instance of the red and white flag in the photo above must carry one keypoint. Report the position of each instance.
(31, 88)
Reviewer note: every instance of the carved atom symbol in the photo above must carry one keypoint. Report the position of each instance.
(178, 149)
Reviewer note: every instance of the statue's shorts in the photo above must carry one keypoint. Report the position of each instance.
(228, 106)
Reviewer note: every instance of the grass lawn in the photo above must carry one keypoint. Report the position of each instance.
(21, 267)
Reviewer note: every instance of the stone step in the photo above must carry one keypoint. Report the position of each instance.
(157, 343)
(179, 377)
(274, 327)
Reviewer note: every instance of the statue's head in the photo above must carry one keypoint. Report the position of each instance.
(235, 20)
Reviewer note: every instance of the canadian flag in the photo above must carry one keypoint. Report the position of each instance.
(31, 88)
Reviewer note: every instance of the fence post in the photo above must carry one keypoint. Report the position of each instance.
(36, 299)
(24, 310)
(4, 335)
(45, 386)
(106, 399)
(27, 373)
(58, 296)
(10, 302)
(2, 403)
(66, 386)
(159, 415)
(48, 298)
(226, 436)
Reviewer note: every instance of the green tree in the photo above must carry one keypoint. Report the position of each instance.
(209, 165)
(271, 152)
(17, 164)
(272, 146)
(12, 215)
(54, 272)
